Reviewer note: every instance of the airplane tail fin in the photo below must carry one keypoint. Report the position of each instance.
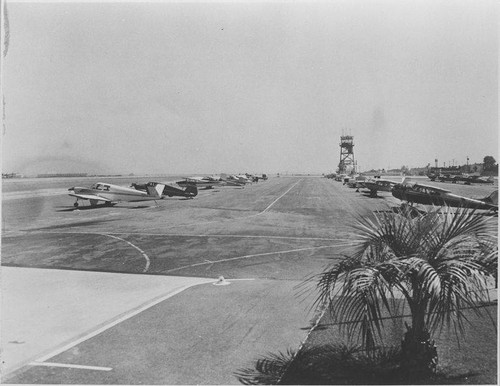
(192, 189)
(406, 180)
(155, 189)
(492, 198)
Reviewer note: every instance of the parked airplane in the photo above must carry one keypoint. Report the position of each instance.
(206, 182)
(357, 182)
(230, 180)
(244, 178)
(111, 194)
(376, 184)
(169, 190)
(465, 178)
(484, 180)
(429, 195)
(255, 177)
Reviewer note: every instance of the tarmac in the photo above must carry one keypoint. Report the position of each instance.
(186, 292)
(46, 311)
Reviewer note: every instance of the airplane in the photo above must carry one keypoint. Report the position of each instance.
(254, 177)
(448, 177)
(170, 190)
(376, 184)
(430, 195)
(234, 180)
(484, 180)
(454, 178)
(243, 178)
(111, 194)
(230, 180)
(357, 182)
(206, 182)
(467, 179)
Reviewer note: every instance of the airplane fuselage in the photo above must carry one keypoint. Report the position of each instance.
(110, 193)
(201, 182)
(170, 191)
(377, 184)
(115, 195)
(425, 195)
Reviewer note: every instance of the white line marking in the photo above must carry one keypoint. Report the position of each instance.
(254, 255)
(322, 313)
(190, 235)
(233, 236)
(239, 218)
(116, 321)
(240, 279)
(274, 202)
(148, 262)
(52, 364)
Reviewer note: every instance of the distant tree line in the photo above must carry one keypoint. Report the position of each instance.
(490, 164)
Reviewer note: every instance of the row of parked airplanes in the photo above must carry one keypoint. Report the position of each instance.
(110, 194)
(415, 193)
(467, 179)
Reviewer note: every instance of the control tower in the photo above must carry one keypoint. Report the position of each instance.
(347, 164)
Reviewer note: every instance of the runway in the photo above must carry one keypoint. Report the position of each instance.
(125, 294)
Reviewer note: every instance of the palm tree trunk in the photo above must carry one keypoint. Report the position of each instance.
(418, 354)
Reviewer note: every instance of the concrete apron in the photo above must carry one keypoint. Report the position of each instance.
(46, 311)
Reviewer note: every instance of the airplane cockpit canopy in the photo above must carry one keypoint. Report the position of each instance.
(100, 186)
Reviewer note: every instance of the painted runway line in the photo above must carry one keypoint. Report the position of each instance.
(239, 218)
(116, 321)
(148, 261)
(275, 201)
(71, 366)
(190, 235)
(248, 256)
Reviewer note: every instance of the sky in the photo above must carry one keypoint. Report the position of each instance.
(212, 87)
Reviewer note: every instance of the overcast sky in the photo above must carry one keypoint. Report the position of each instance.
(210, 87)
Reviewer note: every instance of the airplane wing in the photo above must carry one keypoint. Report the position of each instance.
(89, 197)
(436, 189)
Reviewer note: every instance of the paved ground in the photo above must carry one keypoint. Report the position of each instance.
(45, 310)
(92, 288)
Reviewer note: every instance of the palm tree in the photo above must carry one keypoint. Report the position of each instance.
(436, 264)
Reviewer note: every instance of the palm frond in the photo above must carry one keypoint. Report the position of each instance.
(267, 370)
(462, 286)
(456, 227)
(439, 260)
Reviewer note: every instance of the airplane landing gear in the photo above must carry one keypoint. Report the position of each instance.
(75, 204)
